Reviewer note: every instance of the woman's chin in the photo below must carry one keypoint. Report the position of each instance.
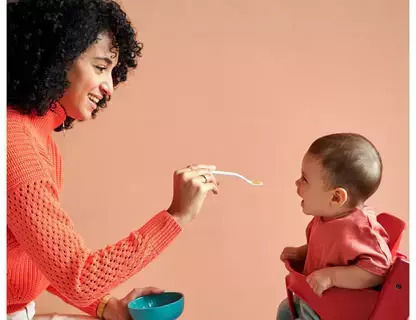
(87, 115)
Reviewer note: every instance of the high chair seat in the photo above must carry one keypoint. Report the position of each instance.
(389, 302)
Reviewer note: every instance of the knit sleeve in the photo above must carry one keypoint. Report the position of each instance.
(80, 275)
(90, 309)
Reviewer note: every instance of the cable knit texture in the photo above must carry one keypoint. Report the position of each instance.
(44, 251)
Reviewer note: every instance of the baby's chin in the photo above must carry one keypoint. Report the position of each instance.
(309, 213)
(306, 213)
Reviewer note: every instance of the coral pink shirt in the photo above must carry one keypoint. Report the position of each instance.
(356, 239)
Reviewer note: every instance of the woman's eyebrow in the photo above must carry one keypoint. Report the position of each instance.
(107, 60)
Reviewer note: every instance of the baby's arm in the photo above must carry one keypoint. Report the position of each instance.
(348, 277)
(294, 253)
(353, 277)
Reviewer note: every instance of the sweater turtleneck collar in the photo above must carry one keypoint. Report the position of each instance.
(51, 120)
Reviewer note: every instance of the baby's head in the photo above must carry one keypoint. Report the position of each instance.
(339, 172)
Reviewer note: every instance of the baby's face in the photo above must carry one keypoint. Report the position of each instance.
(316, 197)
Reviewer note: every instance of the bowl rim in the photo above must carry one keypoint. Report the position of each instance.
(156, 294)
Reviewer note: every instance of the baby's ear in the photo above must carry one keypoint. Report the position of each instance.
(339, 197)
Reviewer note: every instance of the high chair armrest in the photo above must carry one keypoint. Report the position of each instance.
(335, 303)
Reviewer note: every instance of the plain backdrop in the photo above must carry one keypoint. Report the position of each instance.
(245, 85)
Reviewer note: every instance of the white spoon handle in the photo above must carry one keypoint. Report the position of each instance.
(229, 173)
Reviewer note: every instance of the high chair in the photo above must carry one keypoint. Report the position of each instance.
(388, 303)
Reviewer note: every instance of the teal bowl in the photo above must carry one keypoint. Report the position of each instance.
(164, 306)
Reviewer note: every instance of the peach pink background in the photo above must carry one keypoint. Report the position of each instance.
(246, 85)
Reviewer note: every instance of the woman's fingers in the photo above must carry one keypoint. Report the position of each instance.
(150, 290)
(202, 166)
(190, 174)
(191, 184)
(207, 178)
(139, 292)
(212, 186)
(195, 167)
(197, 173)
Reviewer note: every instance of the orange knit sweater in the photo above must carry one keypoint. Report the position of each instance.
(44, 251)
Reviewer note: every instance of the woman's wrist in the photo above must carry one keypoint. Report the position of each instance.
(179, 218)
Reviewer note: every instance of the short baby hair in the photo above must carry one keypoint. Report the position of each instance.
(350, 161)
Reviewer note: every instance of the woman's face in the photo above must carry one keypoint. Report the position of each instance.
(90, 78)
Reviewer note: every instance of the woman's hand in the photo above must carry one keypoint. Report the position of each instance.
(190, 187)
(117, 309)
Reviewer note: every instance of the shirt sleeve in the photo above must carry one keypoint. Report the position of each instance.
(78, 274)
(368, 249)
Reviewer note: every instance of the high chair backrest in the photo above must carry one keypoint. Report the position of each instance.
(394, 227)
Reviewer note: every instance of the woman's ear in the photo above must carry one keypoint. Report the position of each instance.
(339, 197)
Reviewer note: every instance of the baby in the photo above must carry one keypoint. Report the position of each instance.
(346, 246)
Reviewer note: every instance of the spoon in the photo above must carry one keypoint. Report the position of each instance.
(228, 173)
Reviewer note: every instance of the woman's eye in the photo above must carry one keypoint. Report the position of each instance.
(100, 68)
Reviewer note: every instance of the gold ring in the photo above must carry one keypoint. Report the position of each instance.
(206, 180)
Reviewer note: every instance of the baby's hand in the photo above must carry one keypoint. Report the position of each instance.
(290, 253)
(320, 280)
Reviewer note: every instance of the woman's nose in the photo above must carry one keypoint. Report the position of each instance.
(107, 87)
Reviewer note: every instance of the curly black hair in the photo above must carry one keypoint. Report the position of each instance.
(44, 37)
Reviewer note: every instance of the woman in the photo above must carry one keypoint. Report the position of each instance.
(64, 59)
